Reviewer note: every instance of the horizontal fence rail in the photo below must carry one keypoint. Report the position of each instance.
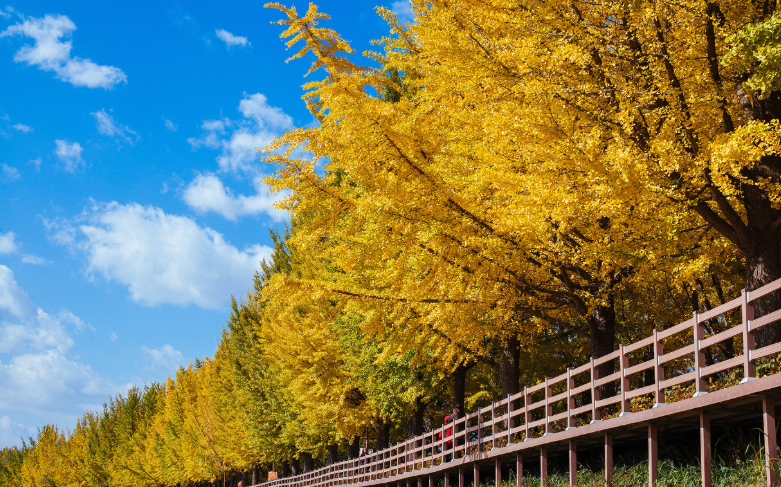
(574, 398)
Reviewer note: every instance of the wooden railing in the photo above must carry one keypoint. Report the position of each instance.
(571, 400)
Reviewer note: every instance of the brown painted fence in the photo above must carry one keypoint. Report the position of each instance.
(560, 408)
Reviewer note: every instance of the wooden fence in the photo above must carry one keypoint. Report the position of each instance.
(564, 408)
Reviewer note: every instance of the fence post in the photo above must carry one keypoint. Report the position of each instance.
(573, 463)
(771, 448)
(596, 415)
(608, 459)
(747, 314)
(498, 472)
(623, 362)
(570, 399)
(705, 453)
(519, 469)
(658, 370)
(653, 455)
(548, 408)
(543, 467)
(699, 357)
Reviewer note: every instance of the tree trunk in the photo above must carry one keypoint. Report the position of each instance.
(764, 267)
(760, 237)
(285, 469)
(255, 479)
(458, 379)
(309, 462)
(383, 435)
(295, 466)
(333, 453)
(602, 336)
(354, 448)
(509, 367)
(416, 421)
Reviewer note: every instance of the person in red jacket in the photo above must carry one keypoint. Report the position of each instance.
(450, 418)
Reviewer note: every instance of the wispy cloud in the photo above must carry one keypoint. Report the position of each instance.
(170, 125)
(7, 243)
(22, 128)
(230, 39)
(50, 53)
(9, 173)
(69, 153)
(107, 125)
(403, 10)
(166, 356)
(8, 246)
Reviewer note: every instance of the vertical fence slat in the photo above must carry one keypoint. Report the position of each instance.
(548, 408)
(623, 362)
(596, 415)
(699, 357)
(570, 399)
(527, 412)
(747, 314)
(658, 370)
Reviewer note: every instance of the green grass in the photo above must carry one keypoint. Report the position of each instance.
(746, 474)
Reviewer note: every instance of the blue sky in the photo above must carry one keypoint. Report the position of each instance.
(131, 200)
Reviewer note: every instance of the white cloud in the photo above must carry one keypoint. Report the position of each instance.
(48, 382)
(14, 302)
(171, 126)
(261, 124)
(36, 163)
(162, 258)
(167, 357)
(70, 155)
(22, 128)
(39, 332)
(32, 259)
(8, 246)
(113, 337)
(230, 39)
(7, 243)
(403, 10)
(61, 232)
(23, 327)
(39, 378)
(207, 193)
(50, 53)
(108, 126)
(10, 173)
(11, 432)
